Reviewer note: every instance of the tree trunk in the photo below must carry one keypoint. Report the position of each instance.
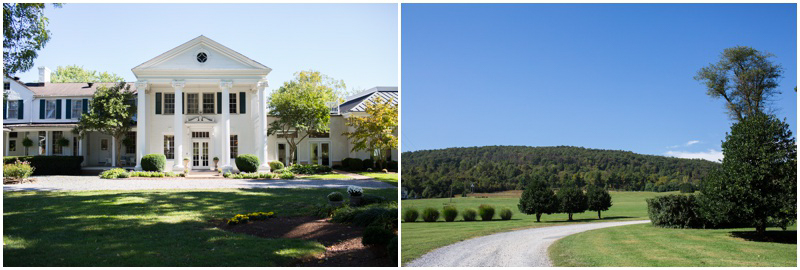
(761, 227)
(538, 217)
(570, 217)
(598, 215)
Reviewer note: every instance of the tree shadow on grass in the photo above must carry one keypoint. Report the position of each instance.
(783, 237)
(587, 219)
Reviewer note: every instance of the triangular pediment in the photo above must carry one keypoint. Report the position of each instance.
(201, 54)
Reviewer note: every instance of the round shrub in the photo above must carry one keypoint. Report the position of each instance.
(336, 196)
(410, 215)
(449, 213)
(354, 164)
(430, 214)
(18, 170)
(506, 214)
(247, 163)
(367, 164)
(469, 215)
(486, 212)
(275, 165)
(154, 162)
(377, 236)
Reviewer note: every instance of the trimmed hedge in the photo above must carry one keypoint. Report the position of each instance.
(450, 213)
(353, 164)
(430, 214)
(367, 164)
(486, 212)
(154, 162)
(410, 215)
(392, 249)
(247, 163)
(469, 214)
(506, 214)
(50, 165)
(275, 165)
(675, 211)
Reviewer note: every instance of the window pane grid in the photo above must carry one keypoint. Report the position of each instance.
(234, 146)
(192, 103)
(208, 103)
(169, 103)
(169, 146)
(233, 103)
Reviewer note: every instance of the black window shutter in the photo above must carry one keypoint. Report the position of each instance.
(5, 109)
(242, 102)
(21, 109)
(219, 102)
(158, 103)
(85, 105)
(183, 103)
(58, 109)
(69, 109)
(41, 109)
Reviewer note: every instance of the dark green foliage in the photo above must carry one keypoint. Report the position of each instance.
(24, 34)
(499, 168)
(50, 165)
(377, 236)
(154, 162)
(538, 199)
(469, 214)
(353, 164)
(430, 214)
(368, 164)
(449, 213)
(428, 193)
(675, 211)
(335, 196)
(598, 199)
(410, 215)
(757, 181)
(247, 163)
(506, 214)
(686, 188)
(368, 199)
(393, 166)
(571, 200)
(309, 169)
(325, 210)
(365, 215)
(275, 165)
(486, 212)
(391, 249)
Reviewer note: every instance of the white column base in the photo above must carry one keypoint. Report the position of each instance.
(178, 168)
(264, 167)
(227, 168)
(138, 168)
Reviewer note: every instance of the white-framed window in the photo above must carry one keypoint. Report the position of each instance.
(13, 109)
(104, 144)
(192, 103)
(233, 103)
(169, 146)
(208, 103)
(12, 145)
(169, 103)
(77, 108)
(57, 148)
(49, 109)
(234, 146)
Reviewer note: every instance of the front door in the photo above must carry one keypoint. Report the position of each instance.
(200, 154)
(319, 153)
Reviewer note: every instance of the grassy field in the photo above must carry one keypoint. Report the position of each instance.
(390, 178)
(420, 237)
(646, 245)
(151, 228)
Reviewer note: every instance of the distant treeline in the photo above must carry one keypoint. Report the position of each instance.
(432, 173)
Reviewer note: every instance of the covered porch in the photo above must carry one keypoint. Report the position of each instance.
(97, 149)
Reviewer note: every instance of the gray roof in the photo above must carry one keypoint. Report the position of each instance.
(67, 89)
(358, 102)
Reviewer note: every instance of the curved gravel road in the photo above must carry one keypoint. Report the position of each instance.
(526, 247)
(64, 183)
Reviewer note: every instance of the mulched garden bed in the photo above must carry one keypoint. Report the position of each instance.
(342, 242)
(9, 181)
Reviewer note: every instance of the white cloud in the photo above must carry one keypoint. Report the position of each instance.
(692, 142)
(687, 144)
(711, 154)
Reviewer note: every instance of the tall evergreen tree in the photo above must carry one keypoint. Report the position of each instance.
(571, 200)
(538, 199)
(598, 199)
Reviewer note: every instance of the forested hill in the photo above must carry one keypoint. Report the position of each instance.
(497, 168)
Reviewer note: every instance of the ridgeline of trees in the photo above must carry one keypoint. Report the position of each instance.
(432, 173)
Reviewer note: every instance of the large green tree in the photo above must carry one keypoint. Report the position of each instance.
(757, 182)
(24, 34)
(300, 107)
(376, 131)
(598, 199)
(538, 199)
(745, 78)
(111, 112)
(571, 200)
(75, 73)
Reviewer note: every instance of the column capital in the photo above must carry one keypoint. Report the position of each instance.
(178, 83)
(225, 84)
(141, 85)
(262, 84)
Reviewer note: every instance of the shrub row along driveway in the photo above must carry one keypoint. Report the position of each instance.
(65, 183)
(516, 248)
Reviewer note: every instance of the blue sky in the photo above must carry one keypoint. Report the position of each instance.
(356, 43)
(597, 76)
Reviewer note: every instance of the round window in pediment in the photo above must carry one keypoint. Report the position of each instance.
(202, 57)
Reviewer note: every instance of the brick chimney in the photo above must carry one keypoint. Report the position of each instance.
(44, 75)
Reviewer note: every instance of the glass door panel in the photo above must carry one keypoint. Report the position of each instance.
(205, 154)
(195, 154)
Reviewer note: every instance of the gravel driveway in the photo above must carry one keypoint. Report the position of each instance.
(64, 183)
(516, 248)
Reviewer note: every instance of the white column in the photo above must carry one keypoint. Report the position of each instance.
(80, 150)
(113, 151)
(47, 144)
(141, 118)
(6, 135)
(261, 138)
(177, 126)
(225, 86)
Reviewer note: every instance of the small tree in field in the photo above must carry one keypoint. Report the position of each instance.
(571, 200)
(538, 199)
(598, 199)
(757, 182)
(376, 130)
(111, 112)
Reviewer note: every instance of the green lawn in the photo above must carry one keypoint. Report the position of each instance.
(420, 237)
(151, 228)
(646, 245)
(390, 178)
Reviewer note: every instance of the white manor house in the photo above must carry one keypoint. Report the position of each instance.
(199, 100)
